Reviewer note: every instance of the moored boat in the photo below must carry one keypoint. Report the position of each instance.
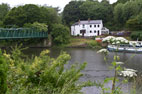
(125, 47)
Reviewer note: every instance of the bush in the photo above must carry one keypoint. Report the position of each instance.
(136, 35)
(42, 74)
(135, 23)
(3, 75)
(36, 25)
(60, 34)
(1, 24)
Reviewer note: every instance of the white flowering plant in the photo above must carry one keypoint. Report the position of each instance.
(115, 40)
(118, 69)
(104, 51)
(128, 73)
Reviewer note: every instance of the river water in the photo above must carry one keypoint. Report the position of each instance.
(97, 69)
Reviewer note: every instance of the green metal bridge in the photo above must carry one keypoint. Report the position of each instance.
(21, 33)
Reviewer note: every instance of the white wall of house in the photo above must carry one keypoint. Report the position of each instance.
(91, 29)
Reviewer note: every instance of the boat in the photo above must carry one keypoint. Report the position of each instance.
(125, 48)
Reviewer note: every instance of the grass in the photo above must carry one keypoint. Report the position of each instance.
(82, 42)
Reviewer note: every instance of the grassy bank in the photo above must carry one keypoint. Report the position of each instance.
(83, 42)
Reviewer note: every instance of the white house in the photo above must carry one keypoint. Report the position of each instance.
(87, 28)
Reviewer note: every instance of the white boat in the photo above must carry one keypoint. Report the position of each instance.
(125, 47)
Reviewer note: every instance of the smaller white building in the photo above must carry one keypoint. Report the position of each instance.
(87, 28)
(105, 31)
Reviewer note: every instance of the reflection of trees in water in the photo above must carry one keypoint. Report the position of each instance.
(132, 60)
(124, 57)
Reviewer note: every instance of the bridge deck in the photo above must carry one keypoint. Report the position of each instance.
(21, 33)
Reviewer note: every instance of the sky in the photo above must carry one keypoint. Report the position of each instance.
(54, 3)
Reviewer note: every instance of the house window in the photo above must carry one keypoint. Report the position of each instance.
(94, 25)
(98, 25)
(83, 26)
(90, 25)
(94, 31)
(90, 31)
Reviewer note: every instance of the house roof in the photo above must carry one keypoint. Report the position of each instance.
(105, 29)
(88, 22)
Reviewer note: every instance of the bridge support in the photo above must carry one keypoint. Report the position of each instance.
(47, 42)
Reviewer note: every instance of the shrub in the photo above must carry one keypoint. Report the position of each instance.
(60, 34)
(1, 24)
(36, 25)
(136, 35)
(42, 74)
(135, 23)
(3, 75)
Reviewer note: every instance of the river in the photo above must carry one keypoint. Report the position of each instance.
(96, 69)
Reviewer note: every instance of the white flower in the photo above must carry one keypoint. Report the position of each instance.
(121, 39)
(119, 63)
(130, 70)
(103, 51)
(115, 40)
(108, 39)
(128, 73)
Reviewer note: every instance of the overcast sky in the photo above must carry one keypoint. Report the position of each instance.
(54, 3)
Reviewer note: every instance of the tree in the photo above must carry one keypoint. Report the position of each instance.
(60, 34)
(122, 1)
(1, 24)
(31, 13)
(72, 12)
(23, 14)
(126, 11)
(17, 16)
(49, 16)
(83, 10)
(118, 14)
(135, 23)
(4, 8)
(36, 25)
(97, 10)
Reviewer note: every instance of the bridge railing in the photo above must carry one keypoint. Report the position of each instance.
(21, 33)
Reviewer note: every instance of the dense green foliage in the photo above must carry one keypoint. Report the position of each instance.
(31, 13)
(3, 74)
(118, 16)
(41, 74)
(82, 10)
(30, 16)
(137, 35)
(4, 8)
(36, 25)
(135, 23)
(60, 34)
(72, 12)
